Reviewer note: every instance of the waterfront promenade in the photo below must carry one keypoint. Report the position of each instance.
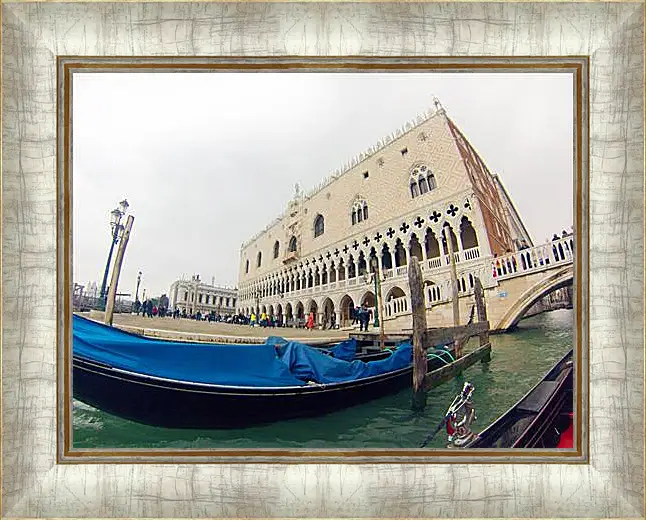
(187, 329)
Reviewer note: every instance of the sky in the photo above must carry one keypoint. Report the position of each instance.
(206, 160)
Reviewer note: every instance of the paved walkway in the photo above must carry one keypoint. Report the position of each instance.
(186, 329)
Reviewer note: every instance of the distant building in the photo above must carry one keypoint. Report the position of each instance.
(194, 295)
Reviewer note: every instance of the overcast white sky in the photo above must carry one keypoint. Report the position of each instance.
(208, 159)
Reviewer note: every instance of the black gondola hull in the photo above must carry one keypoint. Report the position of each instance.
(537, 420)
(177, 404)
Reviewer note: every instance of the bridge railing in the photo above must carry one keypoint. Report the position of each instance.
(539, 257)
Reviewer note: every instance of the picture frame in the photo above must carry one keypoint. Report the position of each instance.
(311, 488)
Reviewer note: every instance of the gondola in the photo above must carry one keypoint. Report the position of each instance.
(207, 386)
(543, 418)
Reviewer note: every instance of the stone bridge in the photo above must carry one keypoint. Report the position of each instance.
(512, 284)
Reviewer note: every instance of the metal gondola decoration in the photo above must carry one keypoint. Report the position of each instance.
(543, 418)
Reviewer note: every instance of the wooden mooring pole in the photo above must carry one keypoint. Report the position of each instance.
(109, 308)
(454, 287)
(481, 312)
(418, 311)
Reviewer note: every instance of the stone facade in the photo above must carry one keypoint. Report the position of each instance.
(390, 203)
(194, 295)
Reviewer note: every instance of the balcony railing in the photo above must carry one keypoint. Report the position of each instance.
(396, 306)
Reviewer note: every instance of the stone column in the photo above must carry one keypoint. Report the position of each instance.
(443, 247)
(337, 318)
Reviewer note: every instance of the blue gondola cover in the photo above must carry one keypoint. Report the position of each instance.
(276, 363)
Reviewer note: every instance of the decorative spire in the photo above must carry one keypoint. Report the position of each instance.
(438, 105)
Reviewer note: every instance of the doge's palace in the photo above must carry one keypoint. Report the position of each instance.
(401, 198)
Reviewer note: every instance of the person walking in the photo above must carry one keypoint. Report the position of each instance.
(310, 322)
(364, 316)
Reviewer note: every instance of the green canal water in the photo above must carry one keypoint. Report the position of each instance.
(519, 360)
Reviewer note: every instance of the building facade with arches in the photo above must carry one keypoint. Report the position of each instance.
(404, 198)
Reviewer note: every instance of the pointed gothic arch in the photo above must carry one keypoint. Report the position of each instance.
(319, 225)
(400, 254)
(468, 234)
(415, 248)
(431, 245)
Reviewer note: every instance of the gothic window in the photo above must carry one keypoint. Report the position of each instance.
(468, 234)
(362, 265)
(292, 244)
(431, 245)
(246, 268)
(422, 181)
(276, 249)
(259, 262)
(319, 225)
(352, 269)
(359, 211)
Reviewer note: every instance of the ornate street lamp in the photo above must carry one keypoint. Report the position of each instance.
(117, 229)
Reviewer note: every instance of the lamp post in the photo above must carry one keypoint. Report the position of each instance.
(137, 290)
(117, 228)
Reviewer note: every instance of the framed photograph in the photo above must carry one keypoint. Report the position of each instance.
(322, 258)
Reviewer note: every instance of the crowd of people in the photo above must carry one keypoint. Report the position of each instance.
(148, 308)
(359, 315)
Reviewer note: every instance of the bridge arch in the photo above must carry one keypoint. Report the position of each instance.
(542, 288)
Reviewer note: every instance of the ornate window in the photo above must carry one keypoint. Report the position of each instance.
(319, 225)
(292, 244)
(246, 268)
(422, 181)
(359, 211)
(259, 262)
(276, 249)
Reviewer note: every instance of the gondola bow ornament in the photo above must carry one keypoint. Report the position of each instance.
(459, 417)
